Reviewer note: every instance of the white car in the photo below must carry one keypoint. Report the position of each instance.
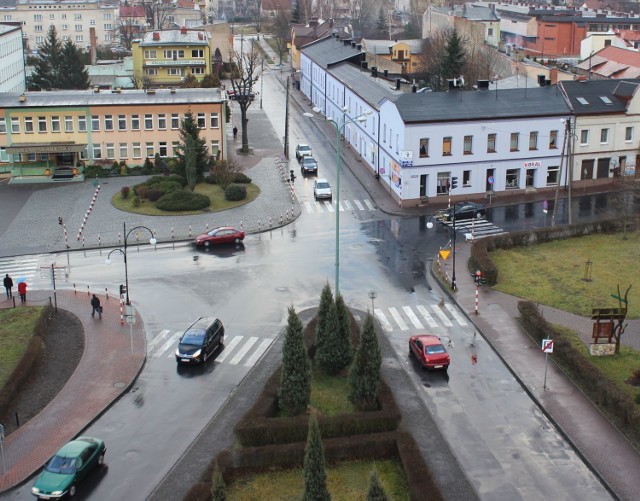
(303, 150)
(322, 189)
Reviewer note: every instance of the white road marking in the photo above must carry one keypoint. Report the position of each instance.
(168, 344)
(386, 325)
(258, 352)
(454, 313)
(228, 348)
(427, 316)
(442, 316)
(358, 204)
(328, 206)
(396, 316)
(309, 207)
(243, 351)
(412, 317)
(369, 204)
(348, 205)
(157, 339)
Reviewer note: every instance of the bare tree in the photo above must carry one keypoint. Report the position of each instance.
(140, 81)
(248, 71)
(358, 14)
(431, 60)
(158, 13)
(126, 30)
(305, 9)
(280, 29)
(328, 9)
(625, 201)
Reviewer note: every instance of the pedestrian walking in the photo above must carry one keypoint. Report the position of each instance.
(235, 132)
(95, 304)
(22, 290)
(8, 283)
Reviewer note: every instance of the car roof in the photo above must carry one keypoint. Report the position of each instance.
(303, 145)
(321, 180)
(428, 339)
(75, 447)
(201, 323)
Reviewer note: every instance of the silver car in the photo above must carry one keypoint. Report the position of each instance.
(322, 189)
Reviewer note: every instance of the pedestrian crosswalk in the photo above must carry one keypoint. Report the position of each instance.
(238, 350)
(473, 229)
(20, 267)
(324, 206)
(419, 317)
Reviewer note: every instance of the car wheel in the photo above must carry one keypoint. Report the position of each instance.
(410, 352)
(207, 244)
(101, 459)
(237, 240)
(221, 340)
(204, 357)
(72, 491)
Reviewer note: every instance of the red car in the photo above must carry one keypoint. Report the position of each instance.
(222, 235)
(429, 351)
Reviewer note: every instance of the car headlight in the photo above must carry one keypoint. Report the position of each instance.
(178, 352)
(56, 493)
(196, 354)
(35, 490)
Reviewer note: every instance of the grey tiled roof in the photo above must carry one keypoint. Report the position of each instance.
(372, 90)
(592, 92)
(329, 51)
(480, 105)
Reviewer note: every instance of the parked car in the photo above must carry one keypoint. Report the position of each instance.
(218, 236)
(429, 351)
(308, 165)
(68, 467)
(322, 189)
(463, 210)
(200, 340)
(303, 150)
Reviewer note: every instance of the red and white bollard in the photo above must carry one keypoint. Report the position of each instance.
(121, 309)
(477, 298)
(106, 293)
(189, 230)
(173, 235)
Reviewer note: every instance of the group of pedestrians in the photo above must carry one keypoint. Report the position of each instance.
(22, 288)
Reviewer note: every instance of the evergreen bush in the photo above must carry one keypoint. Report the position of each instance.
(376, 491)
(154, 194)
(326, 302)
(329, 354)
(295, 382)
(364, 373)
(183, 200)
(241, 178)
(235, 192)
(315, 475)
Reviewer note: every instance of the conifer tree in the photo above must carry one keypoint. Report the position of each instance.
(326, 300)
(344, 331)
(295, 381)
(364, 373)
(315, 476)
(72, 73)
(189, 128)
(48, 62)
(328, 353)
(218, 487)
(455, 56)
(376, 491)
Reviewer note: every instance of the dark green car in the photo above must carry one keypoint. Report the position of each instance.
(68, 467)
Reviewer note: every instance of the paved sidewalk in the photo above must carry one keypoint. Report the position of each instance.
(111, 361)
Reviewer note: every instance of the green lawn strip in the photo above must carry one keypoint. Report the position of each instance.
(552, 273)
(346, 482)
(213, 191)
(16, 330)
(330, 394)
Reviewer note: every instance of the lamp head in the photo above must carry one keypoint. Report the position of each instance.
(107, 261)
(429, 225)
(153, 240)
(308, 115)
(316, 109)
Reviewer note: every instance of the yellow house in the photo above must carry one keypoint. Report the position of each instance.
(49, 136)
(395, 56)
(165, 58)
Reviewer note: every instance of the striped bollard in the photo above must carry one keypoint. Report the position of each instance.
(121, 309)
(99, 241)
(173, 235)
(477, 299)
(281, 219)
(119, 239)
(189, 230)
(88, 293)
(270, 223)
(82, 240)
(259, 226)
(106, 293)
(473, 230)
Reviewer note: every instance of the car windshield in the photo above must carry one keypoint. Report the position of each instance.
(193, 337)
(59, 464)
(323, 186)
(436, 348)
(309, 160)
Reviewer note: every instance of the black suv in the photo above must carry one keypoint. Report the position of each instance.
(200, 340)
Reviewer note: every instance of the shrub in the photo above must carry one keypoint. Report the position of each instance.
(315, 475)
(235, 192)
(124, 192)
(142, 191)
(364, 373)
(295, 384)
(329, 353)
(147, 168)
(136, 201)
(154, 194)
(183, 200)
(241, 178)
(326, 302)
(211, 179)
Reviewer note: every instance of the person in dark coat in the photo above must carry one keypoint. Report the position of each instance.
(8, 283)
(235, 132)
(22, 290)
(95, 304)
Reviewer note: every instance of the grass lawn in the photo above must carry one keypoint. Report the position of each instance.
(553, 273)
(347, 481)
(213, 191)
(16, 330)
(330, 394)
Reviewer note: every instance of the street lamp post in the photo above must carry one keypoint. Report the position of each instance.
(152, 241)
(339, 129)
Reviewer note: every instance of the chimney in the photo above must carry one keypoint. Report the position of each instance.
(183, 30)
(553, 75)
(414, 88)
(483, 84)
(353, 44)
(541, 80)
(359, 47)
(386, 73)
(200, 36)
(451, 83)
(547, 82)
(346, 42)
(156, 36)
(374, 71)
(92, 50)
(397, 84)
(364, 65)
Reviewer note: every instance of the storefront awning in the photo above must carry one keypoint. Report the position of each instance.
(46, 148)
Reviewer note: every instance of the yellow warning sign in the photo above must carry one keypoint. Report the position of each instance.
(444, 253)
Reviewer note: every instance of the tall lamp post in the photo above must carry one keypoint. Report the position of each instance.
(126, 234)
(339, 127)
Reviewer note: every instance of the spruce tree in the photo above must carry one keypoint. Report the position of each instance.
(382, 22)
(189, 127)
(326, 300)
(72, 73)
(48, 62)
(315, 476)
(295, 381)
(218, 487)
(328, 354)
(376, 491)
(455, 56)
(364, 373)
(344, 331)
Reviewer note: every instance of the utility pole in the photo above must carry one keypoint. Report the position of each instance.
(261, 80)
(286, 123)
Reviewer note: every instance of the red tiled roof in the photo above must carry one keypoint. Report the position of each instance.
(613, 62)
(132, 11)
(184, 4)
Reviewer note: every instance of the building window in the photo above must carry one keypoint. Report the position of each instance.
(214, 121)
(515, 139)
(78, 27)
(150, 150)
(82, 123)
(491, 143)
(424, 147)
(162, 149)
(42, 124)
(552, 175)
(443, 183)
(137, 150)
(151, 72)
(533, 140)
(79, 38)
(28, 125)
(135, 122)
(195, 53)
(384, 133)
(111, 151)
(628, 134)
(92, 22)
(175, 121)
(108, 123)
(584, 137)
(468, 145)
(148, 122)
(199, 70)
(512, 179)
(174, 148)
(95, 123)
(150, 54)
(97, 151)
(77, 17)
(174, 54)
(553, 140)
(4, 156)
(38, 28)
(175, 72)
(215, 148)
(84, 155)
(124, 150)
(466, 178)
(68, 123)
(604, 136)
(201, 121)
(37, 17)
(107, 36)
(15, 125)
(3, 126)
(107, 16)
(446, 146)
(122, 122)
(162, 121)
(39, 40)
(55, 124)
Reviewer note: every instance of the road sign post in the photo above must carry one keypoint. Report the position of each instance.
(547, 347)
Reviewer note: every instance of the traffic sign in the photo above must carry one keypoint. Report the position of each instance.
(547, 346)
(444, 253)
(490, 180)
(131, 319)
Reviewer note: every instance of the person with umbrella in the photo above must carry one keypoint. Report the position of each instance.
(22, 290)
(8, 283)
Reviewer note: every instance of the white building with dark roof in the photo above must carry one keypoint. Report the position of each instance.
(12, 72)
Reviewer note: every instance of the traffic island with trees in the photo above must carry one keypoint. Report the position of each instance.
(320, 418)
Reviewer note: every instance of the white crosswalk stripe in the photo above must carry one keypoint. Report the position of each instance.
(386, 325)
(228, 348)
(309, 207)
(455, 314)
(412, 316)
(163, 334)
(441, 315)
(328, 206)
(348, 205)
(19, 267)
(358, 205)
(475, 229)
(324, 206)
(170, 342)
(243, 351)
(262, 347)
(319, 206)
(396, 316)
(427, 316)
(369, 204)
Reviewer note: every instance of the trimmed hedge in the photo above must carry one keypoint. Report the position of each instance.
(183, 200)
(239, 178)
(235, 192)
